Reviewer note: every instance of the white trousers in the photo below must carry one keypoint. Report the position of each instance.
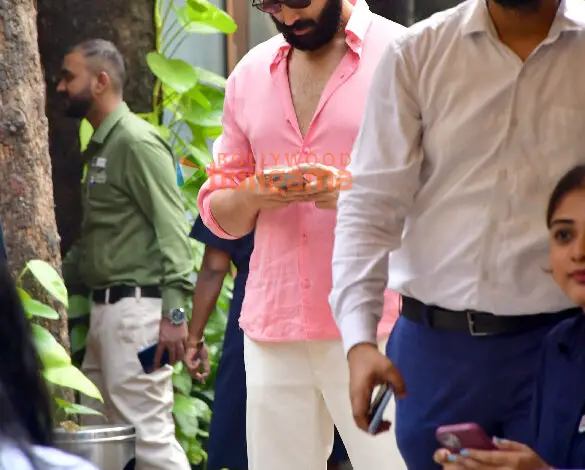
(297, 391)
(117, 332)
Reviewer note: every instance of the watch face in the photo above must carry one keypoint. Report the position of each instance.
(178, 315)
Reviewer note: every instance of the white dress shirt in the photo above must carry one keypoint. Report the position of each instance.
(460, 147)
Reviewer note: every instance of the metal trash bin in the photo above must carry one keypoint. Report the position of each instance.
(108, 447)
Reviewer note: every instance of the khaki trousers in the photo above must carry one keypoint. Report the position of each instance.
(296, 392)
(117, 332)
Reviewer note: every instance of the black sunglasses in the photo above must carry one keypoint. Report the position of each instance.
(274, 6)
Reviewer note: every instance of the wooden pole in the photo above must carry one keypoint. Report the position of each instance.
(238, 44)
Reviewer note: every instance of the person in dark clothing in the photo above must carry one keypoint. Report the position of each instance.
(226, 447)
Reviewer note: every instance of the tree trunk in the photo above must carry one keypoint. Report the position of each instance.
(399, 11)
(62, 24)
(26, 194)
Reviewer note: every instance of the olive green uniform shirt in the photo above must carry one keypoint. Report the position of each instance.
(134, 230)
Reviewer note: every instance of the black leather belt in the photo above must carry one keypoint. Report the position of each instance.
(113, 294)
(478, 323)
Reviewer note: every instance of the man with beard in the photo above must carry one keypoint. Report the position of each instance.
(133, 254)
(471, 120)
(294, 99)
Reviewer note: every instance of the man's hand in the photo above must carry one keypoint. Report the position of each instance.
(509, 456)
(368, 367)
(265, 197)
(172, 338)
(326, 200)
(197, 359)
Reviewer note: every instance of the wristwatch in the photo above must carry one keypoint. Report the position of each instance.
(176, 316)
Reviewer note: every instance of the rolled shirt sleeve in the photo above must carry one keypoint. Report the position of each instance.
(233, 161)
(385, 171)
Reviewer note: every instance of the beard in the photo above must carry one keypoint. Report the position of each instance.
(323, 29)
(77, 106)
(519, 5)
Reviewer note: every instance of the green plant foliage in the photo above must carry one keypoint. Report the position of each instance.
(58, 368)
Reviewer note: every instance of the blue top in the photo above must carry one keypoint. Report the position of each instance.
(239, 250)
(559, 402)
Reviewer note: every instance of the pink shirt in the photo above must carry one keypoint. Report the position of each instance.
(290, 269)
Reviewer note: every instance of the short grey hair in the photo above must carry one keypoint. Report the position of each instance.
(104, 56)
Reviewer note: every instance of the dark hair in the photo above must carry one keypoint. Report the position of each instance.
(25, 406)
(573, 179)
(104, 56)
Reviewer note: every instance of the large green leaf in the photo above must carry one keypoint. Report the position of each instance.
(211, 132)
(199, 156)
(78, 337)
(214, 95)
(175, 73)
(183, 382)
(79, 306)
(71, 377)
(34, 308)
(186, 414)
(85, 134)
(195, 452)
(76, 409)
(210, 78)
(198, 97)
(202, 118)
(24, 296)
(49, 279)
(202, 17)
(51, 353)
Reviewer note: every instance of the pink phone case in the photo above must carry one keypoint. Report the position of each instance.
(464, 436)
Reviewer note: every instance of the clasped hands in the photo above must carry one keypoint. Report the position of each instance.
(275, 188)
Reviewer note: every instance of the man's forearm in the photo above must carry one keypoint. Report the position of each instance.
(234, 210)
(207, 290)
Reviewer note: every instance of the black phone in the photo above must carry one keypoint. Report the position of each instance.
(146, 358)
(378, 407)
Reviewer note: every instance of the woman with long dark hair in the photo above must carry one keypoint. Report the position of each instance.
(25, 407)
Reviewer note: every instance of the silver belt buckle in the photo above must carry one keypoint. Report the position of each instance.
(471, 324)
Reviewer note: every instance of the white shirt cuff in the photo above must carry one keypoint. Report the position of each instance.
(357, 328)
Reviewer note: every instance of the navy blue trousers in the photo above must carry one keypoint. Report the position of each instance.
(453, 377)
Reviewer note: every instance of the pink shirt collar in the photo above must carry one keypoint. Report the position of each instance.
(355, 30)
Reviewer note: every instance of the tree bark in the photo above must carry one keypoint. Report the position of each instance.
(62, 24)
(26, 194)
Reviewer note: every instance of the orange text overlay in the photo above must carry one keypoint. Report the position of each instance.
(249, 160)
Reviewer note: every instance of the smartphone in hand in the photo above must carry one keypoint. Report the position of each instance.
(285, 178)
(378, 407)
(456, 437)
(146, 358)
